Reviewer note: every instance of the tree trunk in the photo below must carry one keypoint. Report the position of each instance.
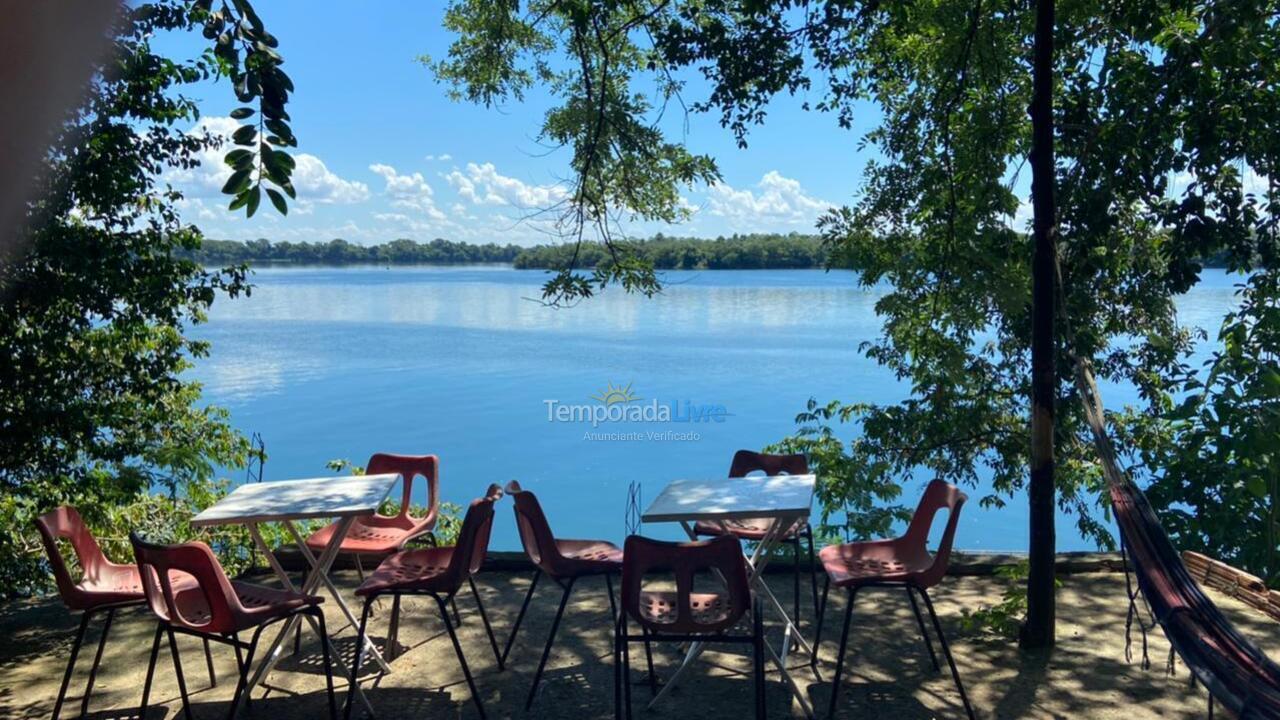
(1038, 631)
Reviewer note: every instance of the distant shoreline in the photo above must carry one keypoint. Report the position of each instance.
(738, 252)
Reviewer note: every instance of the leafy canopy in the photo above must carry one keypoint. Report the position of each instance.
(1166, 151)
(94, 305)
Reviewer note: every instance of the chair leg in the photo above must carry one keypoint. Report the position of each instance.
(457, 617)
(946, 650)
(462, 660)
(822, 612)
(813, 567)
(71, 663)
(243, 690)
(613, 604)
(208, 661)
(393, 631)
(177, 670)
(356, 657)
(511, 639)
(328, 662)
(648, 659)
(915, 608)
(484, 618)
(151, 671)
(617, 670)
(795, 577)
(97, 659)
(844, 642)
(551, 638)
(757, 657)
(626, 671)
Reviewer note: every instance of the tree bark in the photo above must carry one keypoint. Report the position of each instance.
(1038, 631)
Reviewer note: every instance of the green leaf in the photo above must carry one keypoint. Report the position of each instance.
(278, 200)
(255, 197)
(241, 113)
(245, 135)
(236, 184)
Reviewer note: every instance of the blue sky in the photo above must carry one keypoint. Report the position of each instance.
(384, 153)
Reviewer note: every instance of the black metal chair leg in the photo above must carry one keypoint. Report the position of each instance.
(462, 660)
(648, 659)
(813, 568)
(946, 650)
(177, 670)
(484, 619)
(393, 631)
(915, 608)
(208, 661)
(844, 641)
(243, 691)
(457, 616)
(71, 663)
(511, 639)
(613, 604)
(151, 671)
(795, 577)
(546, 651)
(626, 671)
(822, 612)
(757, 657)
(617, 670)
(328, 662)
(355, 658)
(97, 659)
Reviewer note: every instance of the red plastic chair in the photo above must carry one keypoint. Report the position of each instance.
(209, 606)
(744, 463)
(385, 534)
(438, 572)
(104, 586)
(683, 615)
(564, 561)
(903, 562)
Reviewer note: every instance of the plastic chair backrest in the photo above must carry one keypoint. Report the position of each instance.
(939, 495)
(641, 555)
(749, 461)
(160, 565)
(65, 523)
(473, 537)
(410, 467)
(535, 532)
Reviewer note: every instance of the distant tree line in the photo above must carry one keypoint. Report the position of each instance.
(341, 252)
(752, 251)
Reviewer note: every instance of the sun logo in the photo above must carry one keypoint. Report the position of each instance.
(613, 395)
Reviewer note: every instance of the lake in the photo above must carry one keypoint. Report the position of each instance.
(332, 363)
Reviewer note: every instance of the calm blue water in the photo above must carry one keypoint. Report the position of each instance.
(342, 362)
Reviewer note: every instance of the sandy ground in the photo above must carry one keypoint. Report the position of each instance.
(888, 674)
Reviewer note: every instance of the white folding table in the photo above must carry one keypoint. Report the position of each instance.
(286, 501)
(785, 499)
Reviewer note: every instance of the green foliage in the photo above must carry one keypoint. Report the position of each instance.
(586, 54)
(1143, 96)
(857, 500)
(94, 302)
(1211, 457)
(744, 252)
(341, 252)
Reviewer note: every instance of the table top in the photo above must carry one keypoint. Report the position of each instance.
(733, 498)
(329, 497)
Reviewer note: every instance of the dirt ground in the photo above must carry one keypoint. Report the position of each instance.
(887, 672)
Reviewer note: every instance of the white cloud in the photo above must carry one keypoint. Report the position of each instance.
(408, 191)
(314, 182)
(442, 158)
(484, 185)
(778, 199)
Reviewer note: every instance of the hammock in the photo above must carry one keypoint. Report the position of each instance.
(1233, 669)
